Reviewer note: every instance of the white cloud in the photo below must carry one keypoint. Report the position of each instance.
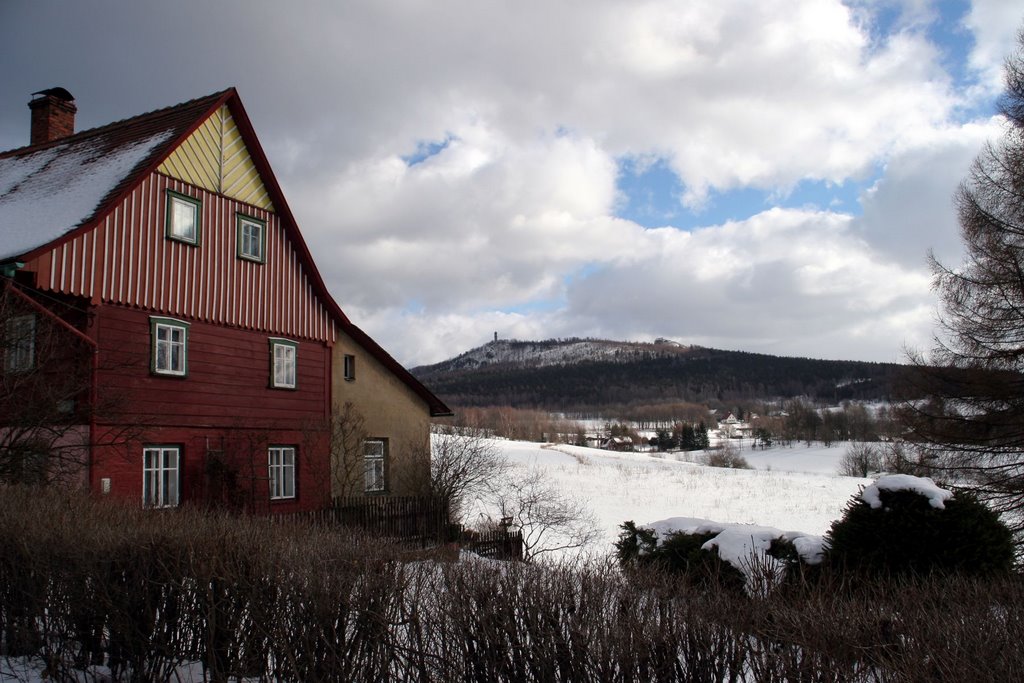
(784, 281)
(995, 24)
(909, 210)
(538, 102)
(485, 222)
(776, 273)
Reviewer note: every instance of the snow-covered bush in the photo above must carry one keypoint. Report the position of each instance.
(709, 553)
(677, 552)
(906, 525)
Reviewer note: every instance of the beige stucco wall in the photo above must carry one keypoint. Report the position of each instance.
(389, 410)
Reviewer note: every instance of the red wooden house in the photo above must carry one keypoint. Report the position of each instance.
(163, 246)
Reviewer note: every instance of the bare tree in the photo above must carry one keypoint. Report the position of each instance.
(346, 433)
(860, 460)
(49, 403)
(972, 424)
(464, 463)
(549, 519)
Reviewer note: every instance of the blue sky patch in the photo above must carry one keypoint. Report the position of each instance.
(649, 195)
(426, 149)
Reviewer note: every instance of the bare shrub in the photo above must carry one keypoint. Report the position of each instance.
(147, 594)
(725, 456)
(861, 460)
(464, 463)
(549, 520)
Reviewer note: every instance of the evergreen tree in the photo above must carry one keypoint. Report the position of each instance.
(701, 439)
(972, 423)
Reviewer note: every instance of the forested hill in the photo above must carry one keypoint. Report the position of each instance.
(583, 374)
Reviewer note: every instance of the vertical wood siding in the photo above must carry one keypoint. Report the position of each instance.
(128, 260)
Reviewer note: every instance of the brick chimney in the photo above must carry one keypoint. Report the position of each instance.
(53, 115)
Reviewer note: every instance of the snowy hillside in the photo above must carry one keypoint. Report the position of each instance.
(584, 375)
(617, 487)
(560, 352)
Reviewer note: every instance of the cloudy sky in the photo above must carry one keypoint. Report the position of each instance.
(761, 175)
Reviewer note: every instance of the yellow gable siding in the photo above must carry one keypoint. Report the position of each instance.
(215, 158)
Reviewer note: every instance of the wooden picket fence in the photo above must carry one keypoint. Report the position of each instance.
(413, 519)
(421, 520)
(498, 544)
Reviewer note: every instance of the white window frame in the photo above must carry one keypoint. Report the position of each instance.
(349, 369)
(179, 206)
(251, 233)
(163, 364)
(281, 469)
(161, 476)
(374, 466)
(20, 343)
(284, 363)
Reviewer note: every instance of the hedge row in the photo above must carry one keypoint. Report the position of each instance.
(146, 595)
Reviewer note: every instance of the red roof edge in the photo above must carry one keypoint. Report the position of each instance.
(437, 407)
(288, 221)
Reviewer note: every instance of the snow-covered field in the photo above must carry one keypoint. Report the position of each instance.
(794, 489)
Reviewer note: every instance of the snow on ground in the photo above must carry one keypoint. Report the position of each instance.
(815, 458)
(647, 487)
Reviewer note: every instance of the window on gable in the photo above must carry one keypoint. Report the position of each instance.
(283, 366)
(251, 238)
(282, 472)
(350, 368)
(183, 217)
(160, 476)
(170, 346)
(374, 452)
(19, 343)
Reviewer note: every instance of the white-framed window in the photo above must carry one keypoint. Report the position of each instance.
(350, 368)
(170, 346)
(374, 451)
(20, 343)
(183, 217)
(160, 476)
(251, 238)
(283, 363)
(282, 472)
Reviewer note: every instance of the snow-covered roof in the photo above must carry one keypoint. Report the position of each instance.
(46, 194)
(49, 190)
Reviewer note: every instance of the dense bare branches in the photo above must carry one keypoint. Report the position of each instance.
(346, 434)
(47, 396)
(238, 598)
(464, 464)
(550, 520)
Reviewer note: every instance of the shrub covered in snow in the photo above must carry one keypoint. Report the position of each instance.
(903, 525)
(677, 552)
(705, 552)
